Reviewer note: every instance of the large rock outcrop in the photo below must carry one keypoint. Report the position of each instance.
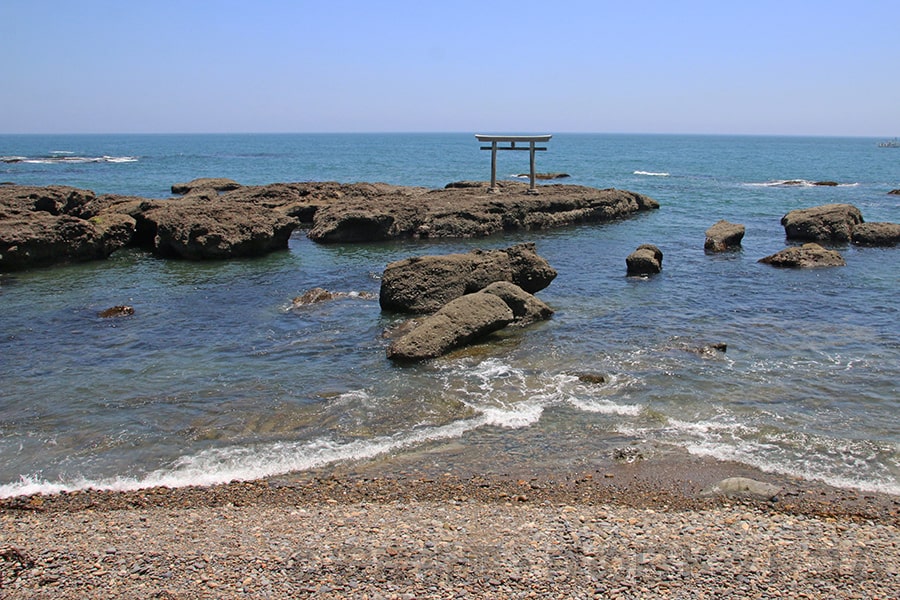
(830, 223)
(425, 284)
(40, 226)
(219, 218)
(214, 231)
(466, 209)
(807, 256)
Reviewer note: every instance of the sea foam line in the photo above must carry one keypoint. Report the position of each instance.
(244, 463)
(739, 442)
(651, 173)
(790, 183)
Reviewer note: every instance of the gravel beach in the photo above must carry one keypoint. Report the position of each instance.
(403, 530)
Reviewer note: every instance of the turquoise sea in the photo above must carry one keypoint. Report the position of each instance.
(215, 378)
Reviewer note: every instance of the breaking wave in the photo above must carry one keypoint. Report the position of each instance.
(65, 157)
(651, 173)
(800, 183)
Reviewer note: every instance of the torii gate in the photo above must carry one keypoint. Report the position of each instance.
(512, 140)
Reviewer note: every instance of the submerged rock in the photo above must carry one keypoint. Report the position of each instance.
(724, 236)
(424, 284)
(318, 295)
(116, 311)
(645, 260)
(807, 256)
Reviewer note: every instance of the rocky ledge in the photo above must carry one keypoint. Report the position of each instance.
(218, 218)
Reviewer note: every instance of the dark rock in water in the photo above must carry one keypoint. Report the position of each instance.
(44, 226)
(462, 185)
(526, 308)
(185, 229)
(628, 454)
(895, 192)
(830, 223)
(313, 296)
(116, 311)
(317, 295)
(809, 255)
(424, 284)
(827, 183)
(876, 234)
(709, 350)
(645, 260)
(593, 378)
(216, 184)
(461, 321)
(724, 236)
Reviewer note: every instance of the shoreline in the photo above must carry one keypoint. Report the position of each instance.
(407, 529)
(677, 481)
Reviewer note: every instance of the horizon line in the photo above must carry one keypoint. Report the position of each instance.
(444, 132)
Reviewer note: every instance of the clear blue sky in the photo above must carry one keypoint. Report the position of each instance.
(635, 66)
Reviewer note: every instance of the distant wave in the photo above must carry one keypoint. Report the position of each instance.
(800, 183)
(65, 157)
(651, 173)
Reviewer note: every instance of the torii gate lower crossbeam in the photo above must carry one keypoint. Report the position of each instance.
(512, 140)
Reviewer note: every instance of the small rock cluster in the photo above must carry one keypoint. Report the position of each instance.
(469, 295)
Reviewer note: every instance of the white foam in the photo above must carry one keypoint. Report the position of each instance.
(607, 407)
(795, 454)
(792, 183)
(70, 159)
(761, 457)
(651, 173)
(242, 463)
(521, 416)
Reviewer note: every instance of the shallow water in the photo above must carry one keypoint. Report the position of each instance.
(215, 378)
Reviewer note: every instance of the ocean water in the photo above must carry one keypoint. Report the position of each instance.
(215, 378)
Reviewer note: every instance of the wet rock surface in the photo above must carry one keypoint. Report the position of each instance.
(425, 284)
(876, 234)
(829, 223)
(645, 260)
(457, 323)
(807, 256)
(219, 218)
(724, 236)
